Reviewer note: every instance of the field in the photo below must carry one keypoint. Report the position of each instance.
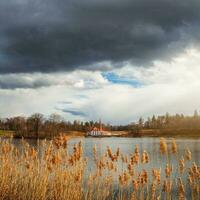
(54, 172)
(6, 133)
(178, 132)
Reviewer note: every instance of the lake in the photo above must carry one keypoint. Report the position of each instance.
(127, 146)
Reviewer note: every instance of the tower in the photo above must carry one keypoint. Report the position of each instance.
(100, 125)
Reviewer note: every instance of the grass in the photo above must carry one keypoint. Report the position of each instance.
(52, 172)
(6, 133)
(75, 133)
(42, 135)
(166, 133)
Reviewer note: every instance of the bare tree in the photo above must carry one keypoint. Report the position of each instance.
(35, 123)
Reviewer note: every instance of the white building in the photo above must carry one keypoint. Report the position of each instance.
(95, 132)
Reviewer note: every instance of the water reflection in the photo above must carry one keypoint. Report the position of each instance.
(127, 145)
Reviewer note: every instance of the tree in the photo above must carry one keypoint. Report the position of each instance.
(167, 119)
(35, 122)
(55, 118)
(18, 125)
(141, 122)
(195, 114)
(53, 125)
(153, 121)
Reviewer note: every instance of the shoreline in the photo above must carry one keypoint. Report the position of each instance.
(112, 136)
(167, 133)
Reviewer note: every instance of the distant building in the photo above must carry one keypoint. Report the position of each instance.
(95, 132)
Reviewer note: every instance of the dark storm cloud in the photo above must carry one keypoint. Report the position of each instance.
(63, 35)
(73, 112)
(13, 81)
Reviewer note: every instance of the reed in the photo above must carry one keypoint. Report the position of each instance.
(53, 171)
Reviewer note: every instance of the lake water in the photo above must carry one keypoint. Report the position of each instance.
(127, 146)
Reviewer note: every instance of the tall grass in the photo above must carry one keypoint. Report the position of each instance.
(51, 172)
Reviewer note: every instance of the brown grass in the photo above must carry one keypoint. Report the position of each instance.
(50, 172)
(6, 133)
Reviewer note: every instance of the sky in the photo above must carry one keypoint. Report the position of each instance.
(90, 59)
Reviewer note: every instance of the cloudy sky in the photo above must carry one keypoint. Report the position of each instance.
(90, 59)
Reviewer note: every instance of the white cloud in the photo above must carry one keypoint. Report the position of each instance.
(185, 67)
(78, 79)
(168, 87)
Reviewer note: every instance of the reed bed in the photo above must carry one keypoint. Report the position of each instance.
(52, 172)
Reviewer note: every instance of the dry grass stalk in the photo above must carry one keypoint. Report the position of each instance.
(54, 174)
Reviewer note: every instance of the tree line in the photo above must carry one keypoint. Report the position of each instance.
(38, 126)
(167, 121)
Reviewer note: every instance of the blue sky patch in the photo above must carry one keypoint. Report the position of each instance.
(114, 78)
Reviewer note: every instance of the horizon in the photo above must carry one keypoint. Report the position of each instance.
(99, 59)
(62, 119)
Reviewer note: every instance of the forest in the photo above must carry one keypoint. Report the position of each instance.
(39, 126)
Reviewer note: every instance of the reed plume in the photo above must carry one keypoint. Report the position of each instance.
(58, 171)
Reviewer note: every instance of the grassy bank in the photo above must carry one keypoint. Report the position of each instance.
(165, 133)
(136, 133)
(6, 133)
(50, 173)
(75, 133)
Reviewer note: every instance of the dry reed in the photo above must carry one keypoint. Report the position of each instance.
(52, 173)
